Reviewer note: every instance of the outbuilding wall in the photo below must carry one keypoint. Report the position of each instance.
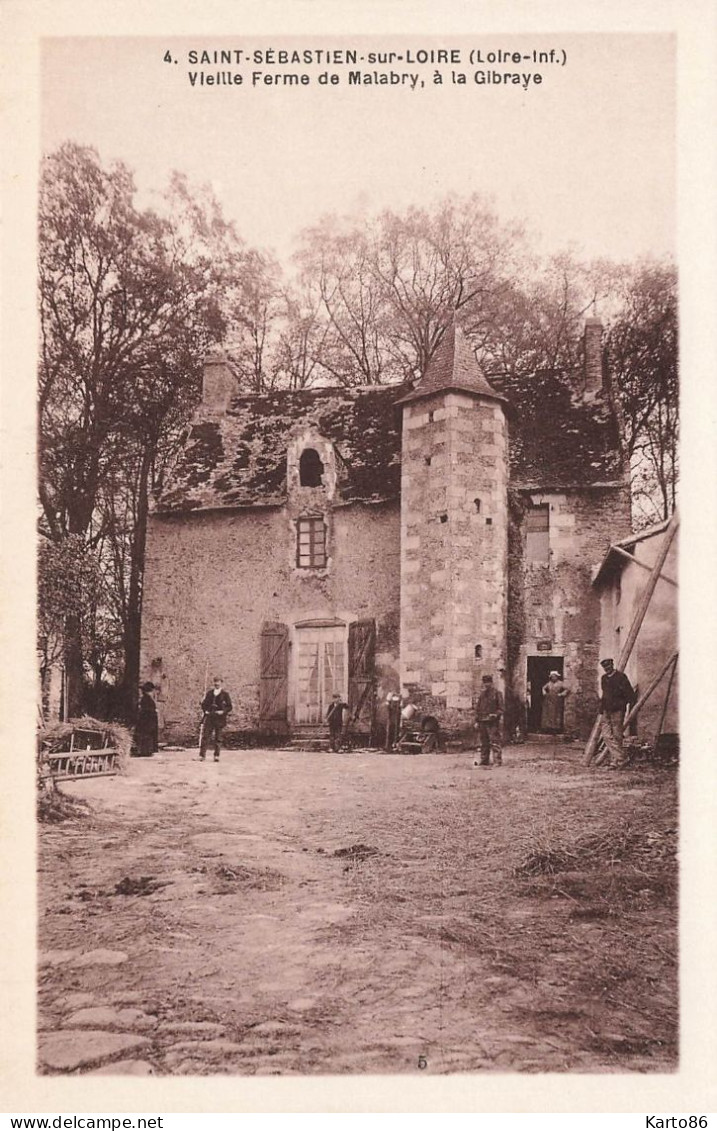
(657, 639)
(213, 579)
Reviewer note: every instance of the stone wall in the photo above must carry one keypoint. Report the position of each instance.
(454, 550)
(554, 610)
(213, 578)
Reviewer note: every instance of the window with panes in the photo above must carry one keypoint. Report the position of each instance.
(311, 542)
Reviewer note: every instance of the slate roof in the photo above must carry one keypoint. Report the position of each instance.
(239, 459)
(556, 438)
(453, 366)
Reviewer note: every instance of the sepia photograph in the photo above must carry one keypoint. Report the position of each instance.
(359, 409)
(357, 562)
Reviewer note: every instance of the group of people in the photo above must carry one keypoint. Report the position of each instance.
(216, 707)
(403, 721)
(617, 696)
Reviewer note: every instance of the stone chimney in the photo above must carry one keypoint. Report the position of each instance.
(592, 356)
(219, 383)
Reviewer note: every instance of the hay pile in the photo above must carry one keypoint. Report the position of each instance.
(55, 738)
(618, 846)
(54, 806)
(621, 868)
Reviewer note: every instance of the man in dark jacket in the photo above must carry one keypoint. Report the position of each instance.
(617, 694)
(489, 722)
(335, 719)
(216, 706)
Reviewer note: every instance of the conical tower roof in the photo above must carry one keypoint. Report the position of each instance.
(453, 366)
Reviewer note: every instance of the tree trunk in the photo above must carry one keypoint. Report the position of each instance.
(74, 670)
(132, 636)
(73, 651)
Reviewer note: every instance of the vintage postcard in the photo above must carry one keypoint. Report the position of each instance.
(349, 360)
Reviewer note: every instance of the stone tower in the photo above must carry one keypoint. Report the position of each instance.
(454, 532)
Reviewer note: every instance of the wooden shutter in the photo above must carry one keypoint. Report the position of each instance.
(274, 676)
(362, 683)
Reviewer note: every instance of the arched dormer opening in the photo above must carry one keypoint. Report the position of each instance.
(311, 468)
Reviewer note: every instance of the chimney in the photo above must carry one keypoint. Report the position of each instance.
(219, 383)
(592, 355)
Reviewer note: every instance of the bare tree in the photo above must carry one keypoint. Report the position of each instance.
(642, 351)
(337, 264)
(300, 343)
(388, 286)
(537, 320)
(251, 303)
(433, 265)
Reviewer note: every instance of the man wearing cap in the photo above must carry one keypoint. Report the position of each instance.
(489, 721)
(216, 706)
(617, 694)
(335, 719)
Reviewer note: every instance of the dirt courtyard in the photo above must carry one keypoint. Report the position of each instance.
(286, 912)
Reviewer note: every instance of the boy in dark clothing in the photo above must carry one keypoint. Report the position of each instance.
(489, 721)
(216, 706)
(335, 719)
(617, 694)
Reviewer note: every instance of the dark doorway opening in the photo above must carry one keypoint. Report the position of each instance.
(539, 669)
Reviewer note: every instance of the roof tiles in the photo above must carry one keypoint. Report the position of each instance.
(556, 437)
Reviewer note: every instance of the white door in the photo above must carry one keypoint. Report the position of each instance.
(321, 671)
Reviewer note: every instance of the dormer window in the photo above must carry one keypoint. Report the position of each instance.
(311, 542)
(311, 469)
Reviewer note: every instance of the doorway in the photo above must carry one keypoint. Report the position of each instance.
(539, 669)
(321, 670)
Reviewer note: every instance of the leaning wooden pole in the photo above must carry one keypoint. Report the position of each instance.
(635, 710)
(649, 589)
(591, 747)
(666, 701)
(646, 597)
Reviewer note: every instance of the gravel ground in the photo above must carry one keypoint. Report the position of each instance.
(299, 913)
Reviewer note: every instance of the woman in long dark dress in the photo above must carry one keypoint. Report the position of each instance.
(554, 695)
(147, 730)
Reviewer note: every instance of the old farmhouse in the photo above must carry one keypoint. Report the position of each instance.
(374, 539)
